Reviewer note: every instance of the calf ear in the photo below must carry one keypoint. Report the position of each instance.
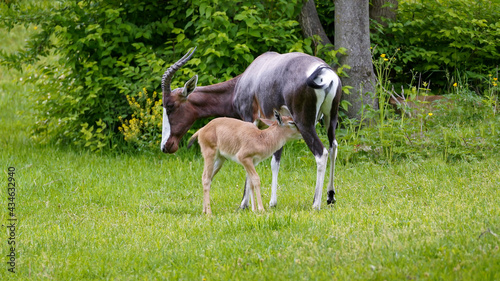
(277, 115)
(263, 123)
(190, 86)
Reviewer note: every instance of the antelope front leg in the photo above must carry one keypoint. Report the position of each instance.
(275, 168)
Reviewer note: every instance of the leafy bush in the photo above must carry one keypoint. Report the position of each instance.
(93, 62)
(144, 126)
(101, 51)
(442, 39)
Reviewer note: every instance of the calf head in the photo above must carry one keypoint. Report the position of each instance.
(285, 122)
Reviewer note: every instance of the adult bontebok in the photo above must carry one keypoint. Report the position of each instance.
(303, 84)
(244, 143)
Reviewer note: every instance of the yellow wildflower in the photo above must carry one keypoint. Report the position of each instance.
(495, 84)
(495, 79)
(430, 114)
(455, 84)
(382, 55)
(386, 59)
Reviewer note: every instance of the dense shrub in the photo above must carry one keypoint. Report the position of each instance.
(438, 40)
(442, 40)
(97, 64)
(102, 51)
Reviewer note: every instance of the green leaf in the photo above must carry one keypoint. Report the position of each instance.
(254, 33)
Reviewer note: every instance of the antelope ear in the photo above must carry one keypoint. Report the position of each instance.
(277, 115)
(190, 86)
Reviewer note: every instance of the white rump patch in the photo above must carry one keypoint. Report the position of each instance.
(324, 99)
(165, 132)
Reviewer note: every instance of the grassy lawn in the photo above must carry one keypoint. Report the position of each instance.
(126, 217)
(83, 215)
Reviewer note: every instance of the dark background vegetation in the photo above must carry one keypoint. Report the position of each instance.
(85, 57)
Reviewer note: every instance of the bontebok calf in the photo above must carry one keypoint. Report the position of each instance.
(242, 142)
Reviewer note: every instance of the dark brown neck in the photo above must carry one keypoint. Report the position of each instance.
(214, 100)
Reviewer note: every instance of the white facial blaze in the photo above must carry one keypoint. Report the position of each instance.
(165, 132)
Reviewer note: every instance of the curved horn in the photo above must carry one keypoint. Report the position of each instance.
(167, 76)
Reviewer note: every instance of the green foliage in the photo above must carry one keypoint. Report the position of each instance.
(442, 37)
(95, 53)
(436, 38)
(143, 128)
(85, 57)
(463, 126)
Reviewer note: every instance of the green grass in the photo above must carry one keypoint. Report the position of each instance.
(138, 216)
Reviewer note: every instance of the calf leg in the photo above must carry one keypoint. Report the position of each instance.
(208, 173)
(217, 165)
(254, 180)
(246, 112)
(247, 193)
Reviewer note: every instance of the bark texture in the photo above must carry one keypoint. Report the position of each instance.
(352, 31)
(310, 23)
(383, 9)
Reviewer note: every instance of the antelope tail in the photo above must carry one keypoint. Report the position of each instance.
(320, 78)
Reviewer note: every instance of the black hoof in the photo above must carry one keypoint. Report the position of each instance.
(242, 209)
(331, 197)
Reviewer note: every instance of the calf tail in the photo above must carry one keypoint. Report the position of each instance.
(193, 139)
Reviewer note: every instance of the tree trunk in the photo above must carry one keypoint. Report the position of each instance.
(352, 31)
(383, 9)
(310, 24)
